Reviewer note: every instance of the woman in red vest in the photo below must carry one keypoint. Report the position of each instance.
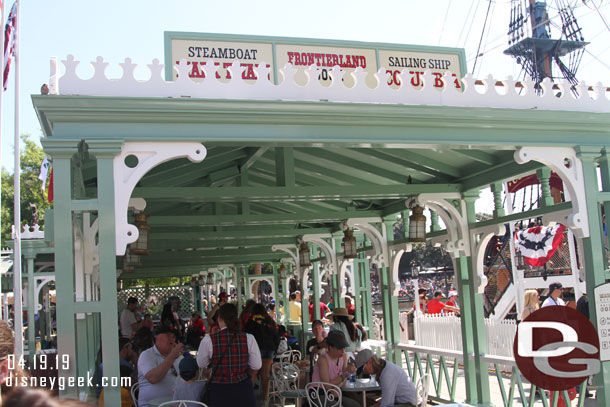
(231, 354)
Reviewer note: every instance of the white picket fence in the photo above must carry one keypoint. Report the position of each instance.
(445, 332)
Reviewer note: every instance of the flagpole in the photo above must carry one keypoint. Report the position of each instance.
(2, 316)
(17, 210)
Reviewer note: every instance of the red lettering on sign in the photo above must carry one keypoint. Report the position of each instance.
(415, 81)
(438, 80)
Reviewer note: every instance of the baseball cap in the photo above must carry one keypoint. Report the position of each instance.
(222, 295)
(336, 340)
(188, 364)
(554, 286)
(362, 357)
(453, 293)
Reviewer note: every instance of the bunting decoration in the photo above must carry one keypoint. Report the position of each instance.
(538, 244)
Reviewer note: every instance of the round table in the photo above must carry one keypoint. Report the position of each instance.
(159, 400)
(361, 387)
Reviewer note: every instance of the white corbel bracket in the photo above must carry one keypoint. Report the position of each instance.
(342, 273)
(39, 283)
(565, 162)
(454, 219)
(302, 272)
(329, 250)
(479, 239)
(398, 250)
(378, 238)
(148, 155)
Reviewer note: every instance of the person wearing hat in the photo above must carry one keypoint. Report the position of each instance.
(452, 301)
(343, 322)
(157, 367)
(191, 389)
(332, 366)
(396, 387)
(196, 330)
(554, 298)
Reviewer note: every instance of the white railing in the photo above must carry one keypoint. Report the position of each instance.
(445, 332)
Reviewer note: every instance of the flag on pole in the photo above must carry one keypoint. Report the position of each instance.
(9, 42)
(50, 195)
(44, 171)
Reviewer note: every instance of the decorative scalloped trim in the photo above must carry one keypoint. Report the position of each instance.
(488, 95)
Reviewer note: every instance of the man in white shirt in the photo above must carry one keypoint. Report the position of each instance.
(396, 387)
(158, 367)
(555, 291)
(128, 321)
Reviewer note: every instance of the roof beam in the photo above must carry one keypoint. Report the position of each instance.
(255, 154)
(477, 155)
(251, 232)
(270, 194)
(270, 219)
(506, 170)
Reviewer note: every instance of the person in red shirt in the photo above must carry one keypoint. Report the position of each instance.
(452, 301)
(435, 306)
(323, 310)
(351, 308)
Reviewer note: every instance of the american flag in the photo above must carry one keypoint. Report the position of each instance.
(9, 42)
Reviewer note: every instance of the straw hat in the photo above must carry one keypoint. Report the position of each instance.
(339, 312)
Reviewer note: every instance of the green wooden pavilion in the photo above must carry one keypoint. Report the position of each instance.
(233, 171)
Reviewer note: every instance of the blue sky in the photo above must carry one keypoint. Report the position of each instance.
(116, 29)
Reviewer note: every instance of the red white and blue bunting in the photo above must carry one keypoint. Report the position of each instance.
(538, 244)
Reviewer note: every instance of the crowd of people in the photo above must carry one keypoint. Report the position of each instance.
(219, 359)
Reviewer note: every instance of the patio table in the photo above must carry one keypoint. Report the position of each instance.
(158, 401)
(361, 387)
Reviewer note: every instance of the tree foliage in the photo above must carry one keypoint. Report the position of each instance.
(31, 189)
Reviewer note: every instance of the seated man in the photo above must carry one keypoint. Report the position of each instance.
(158, 367)
(396, 388)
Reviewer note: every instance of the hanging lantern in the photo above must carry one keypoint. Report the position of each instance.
(140, 246)
(201, 280)
(349, 244)
(119, 285)
(210, 279)
(131, 258)
(193, 282)
(127, 268)
(282, 271)
(417, 225)
(304, 258)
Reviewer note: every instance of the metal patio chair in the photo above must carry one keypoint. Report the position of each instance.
(321, 394)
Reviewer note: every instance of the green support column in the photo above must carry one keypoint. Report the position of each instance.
(593, 248)
(390, 306)
(107, 256)
(286, 294)
(544, 175)
(367, 305)
(477, 312)
(31, 306)
(239, 275)
(466, 321)
(357, 290)
(336, 293)
(496, 189)
(434, 225)
(316, 291)
(276, 289)
(64, 263)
